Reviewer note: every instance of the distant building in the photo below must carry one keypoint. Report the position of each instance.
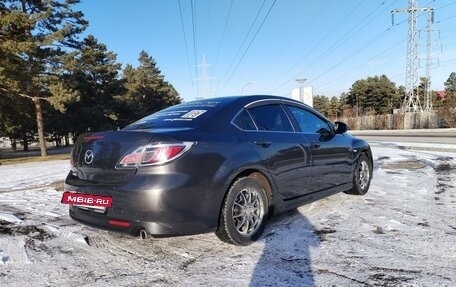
(441, 95)
(307, 95)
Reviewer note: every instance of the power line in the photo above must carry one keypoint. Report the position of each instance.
(387, 51)
(250, 44)
(371, 42)
(223, 33)
(443, 63)
(302, 32)
(446, 5)
(337, 43)
(244, 40)
(208, 20)
(377, 68)
(297, 63)
(186, 46)
(193, 10)
(344, 39)
(444, 19)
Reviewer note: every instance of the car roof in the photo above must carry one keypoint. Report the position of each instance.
(243, 100)
(229, 106)
(193, 114)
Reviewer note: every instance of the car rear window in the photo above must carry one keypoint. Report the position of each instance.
(244, 121)
(179, 116)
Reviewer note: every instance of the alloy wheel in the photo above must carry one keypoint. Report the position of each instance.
(247, 211)
(363, 175)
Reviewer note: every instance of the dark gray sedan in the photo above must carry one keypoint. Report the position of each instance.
(221, 164)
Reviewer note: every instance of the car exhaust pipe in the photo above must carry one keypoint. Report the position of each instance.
(143, 233)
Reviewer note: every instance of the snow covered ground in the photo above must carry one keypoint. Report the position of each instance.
(403, 232)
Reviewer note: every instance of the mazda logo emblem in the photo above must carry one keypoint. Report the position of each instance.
(88, 157)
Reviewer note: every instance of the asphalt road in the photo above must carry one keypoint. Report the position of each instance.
(438, 139)
(412, 139)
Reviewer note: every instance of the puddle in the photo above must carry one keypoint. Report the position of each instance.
(409, 165)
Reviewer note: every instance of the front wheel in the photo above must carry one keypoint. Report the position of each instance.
(362, 176)
(244, 212)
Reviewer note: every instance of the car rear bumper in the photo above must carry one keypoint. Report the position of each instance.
(185, 207)
(159, 225)
(129, 226)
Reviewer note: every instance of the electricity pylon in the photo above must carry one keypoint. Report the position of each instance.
(412, 100)
(428, 99)
(205, 79)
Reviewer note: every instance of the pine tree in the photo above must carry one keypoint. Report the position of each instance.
(450, 84)
(16, 119)
(321, 103)
(377, 94)
(34, 36)
(448, 111)
(334, 107)
(94, 73)
(146, 91)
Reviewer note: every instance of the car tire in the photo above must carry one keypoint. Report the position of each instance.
(244, 212)
(362, 176)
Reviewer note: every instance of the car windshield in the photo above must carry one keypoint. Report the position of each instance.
(185, 115)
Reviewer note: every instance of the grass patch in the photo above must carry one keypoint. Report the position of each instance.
(20, 160)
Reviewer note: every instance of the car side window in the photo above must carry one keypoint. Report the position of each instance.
(244, 121)
(271, 118)
(308, 122)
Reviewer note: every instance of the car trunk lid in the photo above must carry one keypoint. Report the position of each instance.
(95, 156)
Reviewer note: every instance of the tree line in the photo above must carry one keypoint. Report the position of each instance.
(378, 95)
(54, 84)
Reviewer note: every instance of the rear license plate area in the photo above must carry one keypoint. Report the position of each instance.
(95, 209)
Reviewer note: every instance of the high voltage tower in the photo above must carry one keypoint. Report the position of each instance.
(430, 21)
(412, 100)
(204, 90)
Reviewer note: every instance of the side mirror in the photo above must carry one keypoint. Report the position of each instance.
(340, 127)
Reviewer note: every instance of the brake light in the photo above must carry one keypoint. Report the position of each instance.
(153, 154)
(93, 137)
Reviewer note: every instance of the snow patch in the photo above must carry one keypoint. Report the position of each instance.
(58, 231)
(12, 252)
(400, 233)
(32, 174)
(9, 217)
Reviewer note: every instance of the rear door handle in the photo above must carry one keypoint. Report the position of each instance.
(314, 145)
(263, 143)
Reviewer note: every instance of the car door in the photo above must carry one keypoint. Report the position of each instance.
(283, 152)
(330, 152)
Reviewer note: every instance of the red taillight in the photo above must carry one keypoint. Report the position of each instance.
(132, 158)
(153, 154)
(119, 223)
(159, 154)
